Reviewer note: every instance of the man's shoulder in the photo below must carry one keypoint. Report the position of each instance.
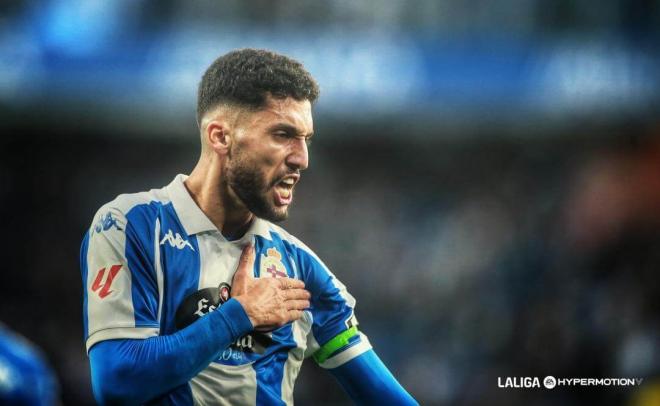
(274, 232)
(125, 203)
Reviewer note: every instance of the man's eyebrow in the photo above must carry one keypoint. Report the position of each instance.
(289, 128)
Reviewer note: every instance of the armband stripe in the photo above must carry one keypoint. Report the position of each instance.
(339, 341)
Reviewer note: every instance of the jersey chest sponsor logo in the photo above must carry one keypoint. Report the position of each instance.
(197, 305)
(106, 222)
(176, 241)
(101, 285)
(271, 264)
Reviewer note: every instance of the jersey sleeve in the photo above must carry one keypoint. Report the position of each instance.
(334, 338)
(120, 284)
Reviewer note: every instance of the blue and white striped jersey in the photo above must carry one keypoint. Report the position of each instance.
(148, 254)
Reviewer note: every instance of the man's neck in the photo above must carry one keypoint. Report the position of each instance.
(209, 191)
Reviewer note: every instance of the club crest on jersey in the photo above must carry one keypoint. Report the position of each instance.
(271, 264)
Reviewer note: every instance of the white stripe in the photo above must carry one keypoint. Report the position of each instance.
(201, 249)
(296, 275)
(299, 329)
(312, 344)
(217, 260)
(120, 332)
(159, 270)
(225, 385)
(125, 202)
(106, 249)
(343, 357)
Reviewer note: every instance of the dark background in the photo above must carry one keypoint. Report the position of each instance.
(485, 177)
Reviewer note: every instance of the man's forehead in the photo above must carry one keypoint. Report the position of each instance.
(297, 113)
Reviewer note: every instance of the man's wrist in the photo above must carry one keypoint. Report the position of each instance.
(244, 305)
(236, 318)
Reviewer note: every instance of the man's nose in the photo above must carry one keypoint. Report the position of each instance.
(298, 157)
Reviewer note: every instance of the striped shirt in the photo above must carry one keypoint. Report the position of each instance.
(152, 262)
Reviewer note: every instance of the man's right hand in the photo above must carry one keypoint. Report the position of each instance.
(269, 302)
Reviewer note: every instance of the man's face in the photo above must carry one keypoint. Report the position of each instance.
(268, 152)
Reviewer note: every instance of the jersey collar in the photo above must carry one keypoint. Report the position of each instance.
(194, 220)
(191, 216)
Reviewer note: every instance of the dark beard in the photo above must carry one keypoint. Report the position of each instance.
(251, 188)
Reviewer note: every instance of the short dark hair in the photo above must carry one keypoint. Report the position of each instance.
(246, 77)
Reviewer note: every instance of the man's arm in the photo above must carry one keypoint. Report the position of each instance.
(335, 342)
(130, 371)
(368, 382)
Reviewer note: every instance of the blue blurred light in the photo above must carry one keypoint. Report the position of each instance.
(78, 27)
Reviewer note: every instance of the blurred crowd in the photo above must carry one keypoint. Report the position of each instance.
(469, 260)
(485, 176)
(473, 262)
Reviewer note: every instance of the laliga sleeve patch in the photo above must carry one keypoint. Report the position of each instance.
(103, 282)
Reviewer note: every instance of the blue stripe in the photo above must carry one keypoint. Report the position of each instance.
(83, 269)
(269, 369)
(181, 267)
(329, 309)
(139, 254)
(261, 246)
(270, 372)
(181, 270)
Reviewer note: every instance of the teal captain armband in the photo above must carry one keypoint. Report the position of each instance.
(340, 340)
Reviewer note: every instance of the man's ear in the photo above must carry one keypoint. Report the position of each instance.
(218, 136)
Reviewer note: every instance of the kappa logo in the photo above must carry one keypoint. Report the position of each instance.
(101, 287)
(176, 241)
(271, 263)
(106, 222)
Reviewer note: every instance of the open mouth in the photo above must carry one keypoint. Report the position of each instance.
(284, 191)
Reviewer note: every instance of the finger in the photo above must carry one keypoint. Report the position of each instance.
(293, 315)
(246, 262)
(296, 304)
(289, 283)
(297, 294)
(245, 265)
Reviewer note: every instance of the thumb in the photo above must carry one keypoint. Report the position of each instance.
(245, 269)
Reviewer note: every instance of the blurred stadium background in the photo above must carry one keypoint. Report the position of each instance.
(485, 176)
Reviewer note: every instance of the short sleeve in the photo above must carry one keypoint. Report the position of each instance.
(121, 293)
(334, 338)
